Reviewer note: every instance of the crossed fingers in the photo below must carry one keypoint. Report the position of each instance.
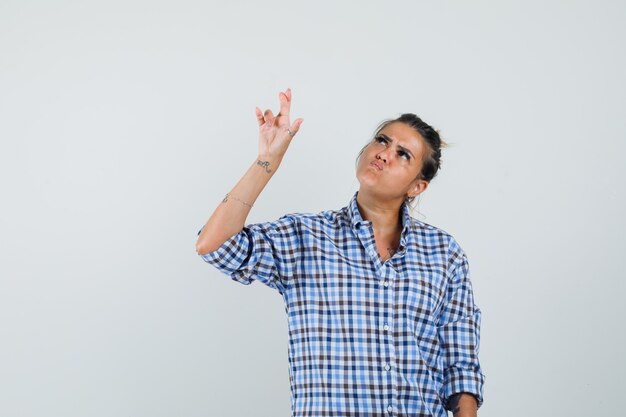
(268, 116)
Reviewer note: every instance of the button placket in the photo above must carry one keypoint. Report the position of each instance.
(387, 274)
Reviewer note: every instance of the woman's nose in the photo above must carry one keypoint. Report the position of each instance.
(383, 155)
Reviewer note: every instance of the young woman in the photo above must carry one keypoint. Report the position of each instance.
(380, 306)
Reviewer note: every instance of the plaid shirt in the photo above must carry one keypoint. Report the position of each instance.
(366, 337)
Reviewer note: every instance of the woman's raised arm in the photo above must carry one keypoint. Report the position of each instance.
(275, 135)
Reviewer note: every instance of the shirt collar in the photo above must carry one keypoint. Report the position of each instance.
(357, 221)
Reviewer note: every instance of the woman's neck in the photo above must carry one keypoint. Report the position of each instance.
(385, 216)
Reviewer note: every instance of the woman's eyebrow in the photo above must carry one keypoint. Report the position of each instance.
(398, 145)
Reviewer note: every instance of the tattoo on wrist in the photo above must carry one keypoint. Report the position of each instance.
(264, 164)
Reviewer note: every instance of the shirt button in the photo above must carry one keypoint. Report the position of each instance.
(387, 367)
(386, 326)
(386, 283)
(389, 408)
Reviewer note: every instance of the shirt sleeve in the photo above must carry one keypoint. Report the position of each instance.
(266, 252)
(459, 331)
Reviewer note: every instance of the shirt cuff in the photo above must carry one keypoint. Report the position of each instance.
(461, 380)
(230, 255)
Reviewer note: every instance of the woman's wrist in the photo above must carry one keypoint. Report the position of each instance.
(268, 163)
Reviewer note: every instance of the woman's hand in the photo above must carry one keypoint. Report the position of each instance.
(274, 138)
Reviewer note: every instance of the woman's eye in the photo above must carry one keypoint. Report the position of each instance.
(403, 154)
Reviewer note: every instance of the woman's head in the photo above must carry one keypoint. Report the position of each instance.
(409, 152)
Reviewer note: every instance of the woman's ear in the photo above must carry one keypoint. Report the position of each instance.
(418, 187)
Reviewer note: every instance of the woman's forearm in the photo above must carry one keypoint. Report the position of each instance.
(463, 405)
(275, 135)
(230, 215)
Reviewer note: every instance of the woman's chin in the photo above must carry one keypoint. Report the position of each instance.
(369, 176)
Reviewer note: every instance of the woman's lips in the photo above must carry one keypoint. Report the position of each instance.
(377, 165)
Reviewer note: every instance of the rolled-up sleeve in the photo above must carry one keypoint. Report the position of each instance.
(459, 331)
(266, 252)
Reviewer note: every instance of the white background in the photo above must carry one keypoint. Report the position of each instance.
(124, 123)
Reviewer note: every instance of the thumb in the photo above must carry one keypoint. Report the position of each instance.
(296, 126)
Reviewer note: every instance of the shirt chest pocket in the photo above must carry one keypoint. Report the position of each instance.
(422, 295)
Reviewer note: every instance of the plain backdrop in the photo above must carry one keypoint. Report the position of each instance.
(124, 123)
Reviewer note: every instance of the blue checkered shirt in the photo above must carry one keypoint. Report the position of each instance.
(366, 337)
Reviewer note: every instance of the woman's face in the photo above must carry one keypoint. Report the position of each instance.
(393, 174)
